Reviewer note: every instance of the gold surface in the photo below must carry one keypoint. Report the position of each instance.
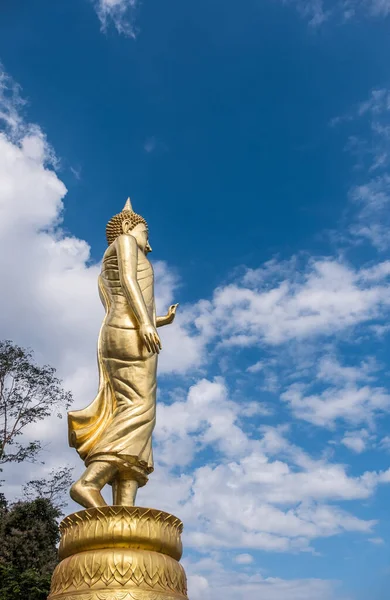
(120, 553)
(113, 435)
(121, 526)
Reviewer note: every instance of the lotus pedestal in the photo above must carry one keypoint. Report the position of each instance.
(120, 553)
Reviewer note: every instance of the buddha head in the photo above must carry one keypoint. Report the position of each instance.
(129, 223)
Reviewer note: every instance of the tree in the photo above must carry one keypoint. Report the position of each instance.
(29, 531)
(52, 488)
(29, 535)
(28, 394)
(28, 549)
(29, 585)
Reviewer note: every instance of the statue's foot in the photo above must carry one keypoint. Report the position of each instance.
(88, 496)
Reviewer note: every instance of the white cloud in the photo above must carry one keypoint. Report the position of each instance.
(206, 582)
(379, 8)
(182, 351)
(120, 12)
(259, 492)
(262, 504)
(257, 367)
(206, 417)
(346, 394)
(318, 12)
(10, 102)
(356, 441)
(351, 403)
(384, 444)
(311, 10)
(49, 274)
(377, 103)
(329, 296)
(315, 12)
(329, 369)
(244, 559)
(373, 199)
(377, 541)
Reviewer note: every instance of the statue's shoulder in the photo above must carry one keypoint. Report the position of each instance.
(111, 250)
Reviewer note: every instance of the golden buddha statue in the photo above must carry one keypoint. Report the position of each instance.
(113, 435)
(121, 552)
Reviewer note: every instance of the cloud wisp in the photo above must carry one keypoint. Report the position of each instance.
(120, 12)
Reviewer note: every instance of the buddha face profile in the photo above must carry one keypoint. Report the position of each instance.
(140, 233)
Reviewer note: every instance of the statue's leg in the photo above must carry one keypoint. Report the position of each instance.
(86, 491)
(124, 491)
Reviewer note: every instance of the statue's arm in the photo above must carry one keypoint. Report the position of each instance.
(168, 318)
(127, 251)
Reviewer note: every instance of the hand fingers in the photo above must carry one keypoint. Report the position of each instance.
(154, 343)
(158, 342)
(147, 343)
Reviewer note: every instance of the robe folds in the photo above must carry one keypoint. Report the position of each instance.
(117, 426)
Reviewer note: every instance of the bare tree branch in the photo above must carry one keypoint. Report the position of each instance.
(28, 394)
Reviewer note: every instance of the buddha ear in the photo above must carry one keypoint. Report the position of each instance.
(126, 226)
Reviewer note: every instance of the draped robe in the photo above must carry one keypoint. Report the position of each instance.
(117, 426)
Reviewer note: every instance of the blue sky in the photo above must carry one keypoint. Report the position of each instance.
(255, 139)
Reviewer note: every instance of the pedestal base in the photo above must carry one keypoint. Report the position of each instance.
(120, 553)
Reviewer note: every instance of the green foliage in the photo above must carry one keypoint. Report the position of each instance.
(29, 536)
(29, 531)
(28, 393)
(28, 585)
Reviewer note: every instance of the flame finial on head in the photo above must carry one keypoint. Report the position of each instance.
(128, 206)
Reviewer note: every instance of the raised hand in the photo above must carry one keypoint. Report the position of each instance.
(171, 313)
(168, 318)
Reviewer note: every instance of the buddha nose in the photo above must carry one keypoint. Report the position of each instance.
(148, 247)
